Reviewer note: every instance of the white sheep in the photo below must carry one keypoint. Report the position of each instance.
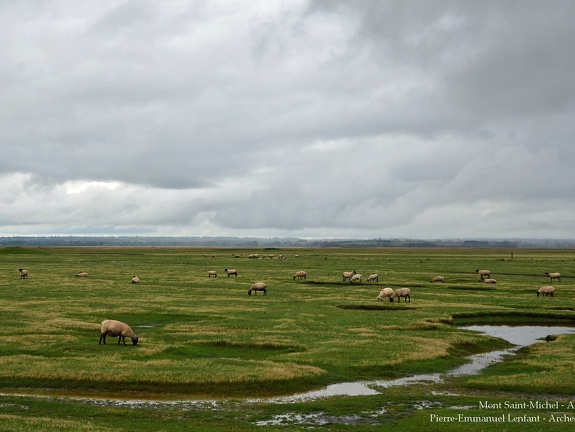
(23, 273)
(212, 273)
(231, 272)
(438, 279)
(490, 281)
(258, 286)
(115, 328)
(547, 290)
(300, 275)
(385, 293)
(556, 276)
(348, 275)
(355, 278)
(136, 279)
(373, 277)
(399, 293)
(483, 273)
(81, 274)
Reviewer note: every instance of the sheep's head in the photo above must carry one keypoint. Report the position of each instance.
(135, 340)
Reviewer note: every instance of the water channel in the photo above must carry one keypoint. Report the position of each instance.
(520, 336)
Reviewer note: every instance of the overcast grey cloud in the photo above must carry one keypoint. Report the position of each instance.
(310, 118)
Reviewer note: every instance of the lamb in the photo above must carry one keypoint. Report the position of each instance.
(300, 275)
(212, 273)
(115, 328)
(348, 275)
(355, 278)
(23, 273)
(385, 293)
(373, 277)
(554, 276)
(231, 272)
(483, 273)
(438, 279)
(547, 290)
(82, 274)
(258, 286)
(136, 279)
(399, 293)
(490, 281)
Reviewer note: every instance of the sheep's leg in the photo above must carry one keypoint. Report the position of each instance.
(102, 338)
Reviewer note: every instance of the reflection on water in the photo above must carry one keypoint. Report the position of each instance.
(520, 335)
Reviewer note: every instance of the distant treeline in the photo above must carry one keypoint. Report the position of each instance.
(254, 242)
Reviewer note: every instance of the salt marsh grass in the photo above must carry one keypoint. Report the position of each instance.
(203, 336)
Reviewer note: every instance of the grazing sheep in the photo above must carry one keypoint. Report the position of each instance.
(483, 273)
(231, 272)
(212, 273)
(399, 293)
(438, 279)
(373, 277)
(23, 273)
(300, 275)
(82, 274)
(258, 286)
(355, 278)
(556, 276)
(136, 279)
(546, 291)
(348, 275)
(254, 256)
(115, 328)
(490, 281)
(385, 293)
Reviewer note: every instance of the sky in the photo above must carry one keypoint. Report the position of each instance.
(311, 119)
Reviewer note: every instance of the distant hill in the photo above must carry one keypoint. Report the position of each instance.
(255, 242)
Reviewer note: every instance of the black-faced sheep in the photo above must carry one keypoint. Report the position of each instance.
(483, 273)
(300, 275)
(556, 276)
(258, 286)
(373, 278)
(399, 293)
(490, 281)
(546, 291)
(231, 272)
(355, 278)
(438, 279)
(212, 273)
(23, 273)
(136, 279)
(348, 275)
(118, 329)
(385, 293)
(82, 274)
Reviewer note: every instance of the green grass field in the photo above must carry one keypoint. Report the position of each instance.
(205, 339)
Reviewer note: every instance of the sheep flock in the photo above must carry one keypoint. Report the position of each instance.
(114, 328)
